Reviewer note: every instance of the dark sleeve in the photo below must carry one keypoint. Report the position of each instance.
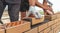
(24, 5)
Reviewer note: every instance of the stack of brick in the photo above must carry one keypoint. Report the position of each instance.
(33, 20)
(51, 24)
(32, 25)
(16, 27)
(50, 17)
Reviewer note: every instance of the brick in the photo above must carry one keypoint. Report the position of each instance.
(55, 30)
(54, 26)
(58, 16)
(55, 21)
(41, 32)
(50, 23)
(37, 21)
(14, 23)
(47, 30)
(50, 17)
(18, 28)
(34, 30)
(2, 31)
(58, 24)
(58, 20)
(59, 27)
(42, 27)
(51, 31)
(34, 20)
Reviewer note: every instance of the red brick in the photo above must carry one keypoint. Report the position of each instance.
(19, 28)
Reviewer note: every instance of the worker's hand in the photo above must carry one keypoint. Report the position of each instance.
(48, 8)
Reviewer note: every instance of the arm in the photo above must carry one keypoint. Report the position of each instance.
(44, 6)
(41, 5)
(32, 2)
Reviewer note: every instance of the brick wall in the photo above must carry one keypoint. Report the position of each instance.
(49, 24)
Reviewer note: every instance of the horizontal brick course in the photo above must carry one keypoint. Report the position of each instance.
(34, 30)
(42, 27)
(51, 25)
(34, 20)
(47, 30)
(50, 17)
(19, 28)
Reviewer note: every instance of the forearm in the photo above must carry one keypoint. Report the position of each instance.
(44, 2)
(32, 2)
(41, 5)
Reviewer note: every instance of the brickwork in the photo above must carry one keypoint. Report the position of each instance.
(51, 24)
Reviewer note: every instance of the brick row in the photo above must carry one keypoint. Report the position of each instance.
(34, 20)
(51, 24)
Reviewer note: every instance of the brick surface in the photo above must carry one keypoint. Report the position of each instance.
(34, 20)
(34, 30)
(54, 26)
(47, 30)
(50, 17)
(51, 31)
(14, 23)
(37, 21)
(58, 24)
(2, 31)
(58, 16)
(55, 21)
(41, 32)
(42, 27)
(19, 28)
(55, 30)
(50, 23)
